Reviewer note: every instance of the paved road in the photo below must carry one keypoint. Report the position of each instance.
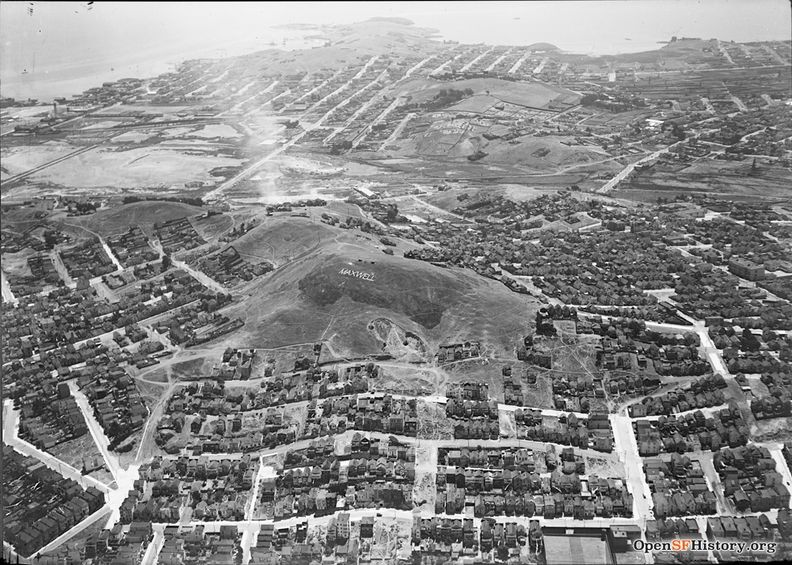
(61, 269)
(435, 444)
(626, 446)
(739, 103)
(365, 106)
(781, 464)
(201, 277)
(707, 347)
(397, 132)
(516, 66)
(238, 106)
(113, 258)
(99, 437)
(11, 437)
(146, 438)
(116, 262)
(362, 135)
(314, 89)
(76, 529)
(540, 67)
(417, 66)
(724, 52)
(475, 60)
(441, 68)
(154, 548)
(708, 105)
(621, 175)
(498, 60)
(124, 478)
(261, 472)
(8, 295)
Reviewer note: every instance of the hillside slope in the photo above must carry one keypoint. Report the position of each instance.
(339, 288)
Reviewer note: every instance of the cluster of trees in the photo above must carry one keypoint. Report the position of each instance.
(676, 130)
(211, 302)
(239, 230)
(762, 363)
(51, 238)
(448, 96)
(85, 207)
(340, 146)
(746, 340)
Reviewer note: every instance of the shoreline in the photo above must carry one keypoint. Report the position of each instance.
(285, 37)
(45, 89)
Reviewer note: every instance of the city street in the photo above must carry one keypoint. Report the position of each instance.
(626, 447)
(11, 437)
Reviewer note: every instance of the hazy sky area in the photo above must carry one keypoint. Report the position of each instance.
(61, 48)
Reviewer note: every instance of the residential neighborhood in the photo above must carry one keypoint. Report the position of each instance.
(363, 292)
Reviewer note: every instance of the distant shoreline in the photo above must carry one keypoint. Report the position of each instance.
(45, 87)
(42, 87)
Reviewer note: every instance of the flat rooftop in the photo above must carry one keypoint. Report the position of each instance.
(576, 549)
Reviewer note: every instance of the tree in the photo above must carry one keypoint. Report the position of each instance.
(166, 262)
(749, 341)
(692, 338)
(50, 239)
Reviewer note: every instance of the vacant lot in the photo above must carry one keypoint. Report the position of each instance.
(729, 180)
(534, 94)
(19, 159)
(119, 219)
(144, 167)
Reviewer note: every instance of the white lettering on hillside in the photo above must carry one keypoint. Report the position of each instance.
(357, 274)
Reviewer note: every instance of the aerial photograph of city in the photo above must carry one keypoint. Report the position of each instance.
(381, 283)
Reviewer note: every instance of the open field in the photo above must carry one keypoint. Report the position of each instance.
(147, 167)
(534, 95)
(775, 429)
(212, 227)
(279, 239)
(144, 214)
(730, 180)
(541, 153)
(17, 159)
(83, 451)
(15, 264)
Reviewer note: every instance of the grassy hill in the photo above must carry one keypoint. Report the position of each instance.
(545, 153)
(277, 239)
(532, 94)
(119, 219)
(310, 299)
(541, 152)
